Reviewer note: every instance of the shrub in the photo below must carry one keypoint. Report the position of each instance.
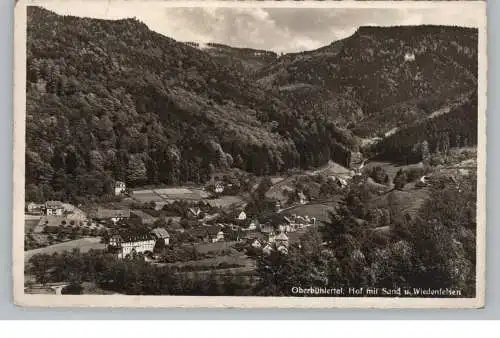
(72, 289)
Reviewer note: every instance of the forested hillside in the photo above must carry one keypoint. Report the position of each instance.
(113, 100)
(247, 61)
(368, 75)
(454, 129)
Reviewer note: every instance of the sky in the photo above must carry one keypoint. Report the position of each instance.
(277, 29)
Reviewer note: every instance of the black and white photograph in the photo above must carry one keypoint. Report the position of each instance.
(249, 154)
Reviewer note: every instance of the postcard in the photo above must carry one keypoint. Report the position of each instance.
(249, 154)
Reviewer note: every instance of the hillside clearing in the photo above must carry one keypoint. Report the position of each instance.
(83, 244)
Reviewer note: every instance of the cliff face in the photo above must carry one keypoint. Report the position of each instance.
(113, 100)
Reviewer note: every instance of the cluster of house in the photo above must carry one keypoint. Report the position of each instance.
(128, 245)
(269, 239)
(274, 241)
(49, 208)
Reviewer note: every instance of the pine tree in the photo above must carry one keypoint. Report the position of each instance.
(426, 156)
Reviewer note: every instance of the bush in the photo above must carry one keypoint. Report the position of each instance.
(400, 180)
(414, 174)
(379, 175)
(72, 289)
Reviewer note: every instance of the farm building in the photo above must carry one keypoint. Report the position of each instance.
(144, 216)
(219, 237)
(127, 246)
(35, 208)
(299, 222)
(241, 216)
(54, 208)
(161, 234)
(102, 214)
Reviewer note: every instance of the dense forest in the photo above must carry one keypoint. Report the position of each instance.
(112, 100)
(454, 129)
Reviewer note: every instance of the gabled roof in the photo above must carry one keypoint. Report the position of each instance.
(196, 211)
(53, 204)
(131, 237)
(160, 233)
(282, 237)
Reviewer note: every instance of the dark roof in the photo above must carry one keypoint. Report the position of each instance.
(160, 233)
(53, 204)
(131, 237)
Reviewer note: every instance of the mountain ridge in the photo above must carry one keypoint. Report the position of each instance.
(112, 100)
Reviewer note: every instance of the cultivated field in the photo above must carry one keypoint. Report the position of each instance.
(402, 202)
(169, 194)
(205, 264)
(319, 210)
(277, 190)
(214, 247)
(225, 201)
(30, 222)
(146, 196)
(83, 244)
(391, 168)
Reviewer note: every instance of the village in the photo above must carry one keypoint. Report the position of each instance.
(145, 222)
(225, 225)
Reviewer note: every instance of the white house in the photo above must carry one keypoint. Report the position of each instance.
(54, 208)
(302, 198)
(35, 208)
(409, 57)
(267, 249)
(219, 188)
(128, 246)
(219, 237)
(281, 240)
(242, 216)
(119, 188)
(256, 244)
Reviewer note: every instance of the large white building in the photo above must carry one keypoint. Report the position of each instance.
(129, 246)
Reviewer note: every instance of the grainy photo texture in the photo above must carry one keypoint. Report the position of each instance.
(259, 154)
